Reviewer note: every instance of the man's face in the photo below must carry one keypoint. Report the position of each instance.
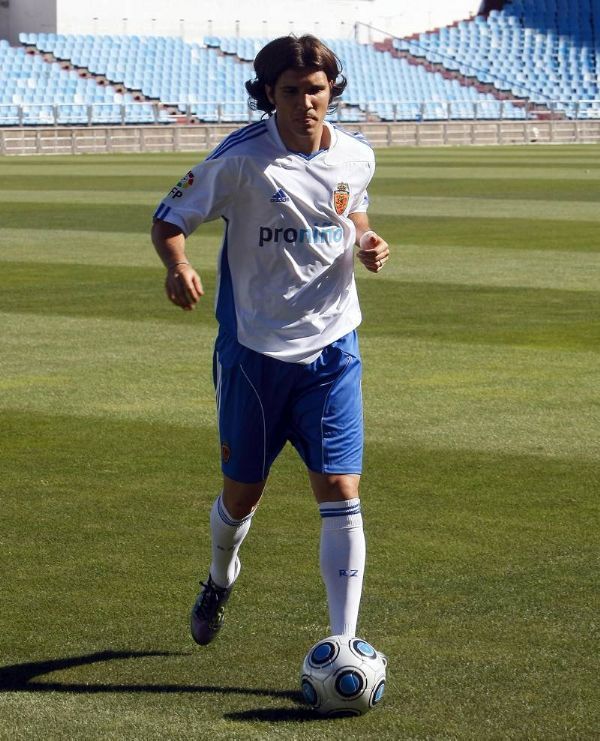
(301, 99)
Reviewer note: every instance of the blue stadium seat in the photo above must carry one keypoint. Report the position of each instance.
(555, 58)
(551, 39)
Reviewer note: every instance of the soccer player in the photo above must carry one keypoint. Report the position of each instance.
(292, 192)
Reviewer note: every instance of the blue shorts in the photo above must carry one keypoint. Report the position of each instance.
(263, 402)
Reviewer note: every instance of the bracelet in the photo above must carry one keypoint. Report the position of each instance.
(175, 264)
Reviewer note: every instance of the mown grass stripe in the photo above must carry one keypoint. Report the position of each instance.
(97, 217)
(447, 394)
(452, 312)
(549, 188)
(451, 204)
(588, 172)
(490, 233)
(81, 197)
(488, 314)
(95, 182)
(124, 292)
(496, 209)
(513, 189)
(433, 229)
(81, 247)
(411, 262)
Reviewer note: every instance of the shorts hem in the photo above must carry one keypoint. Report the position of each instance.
(244, 479)
(336, 472)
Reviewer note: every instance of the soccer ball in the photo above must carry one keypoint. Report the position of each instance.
(343, 675)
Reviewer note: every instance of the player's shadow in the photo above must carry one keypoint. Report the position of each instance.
(24, 678)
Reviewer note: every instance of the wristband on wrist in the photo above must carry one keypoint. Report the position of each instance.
(364, 237)
(175, 264)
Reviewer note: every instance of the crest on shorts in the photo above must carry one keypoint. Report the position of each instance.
(225, 452)
(341, 197)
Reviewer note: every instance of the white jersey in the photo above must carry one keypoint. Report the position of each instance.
(285, 283)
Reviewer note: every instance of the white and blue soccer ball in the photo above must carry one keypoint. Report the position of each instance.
(343, 675)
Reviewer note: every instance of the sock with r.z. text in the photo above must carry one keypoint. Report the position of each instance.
(342, 559)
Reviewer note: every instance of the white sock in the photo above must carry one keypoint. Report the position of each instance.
(342, 560)
(227, 536)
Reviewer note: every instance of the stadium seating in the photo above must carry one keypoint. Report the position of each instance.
(32, 91)
(536, 50)
(208, 81)
(194, 79)
(393, 88)
(541, 50)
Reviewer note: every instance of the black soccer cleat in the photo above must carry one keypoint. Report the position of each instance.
(208, 613)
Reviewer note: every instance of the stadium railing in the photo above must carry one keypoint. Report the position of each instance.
(207, 112)
(110, 138)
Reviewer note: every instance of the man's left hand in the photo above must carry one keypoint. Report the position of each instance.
(374, 251)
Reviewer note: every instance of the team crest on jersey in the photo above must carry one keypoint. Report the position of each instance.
(341, 197)
(186, 181)
(225, 452)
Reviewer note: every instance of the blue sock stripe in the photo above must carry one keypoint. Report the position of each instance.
(227, 519)
(342, 512)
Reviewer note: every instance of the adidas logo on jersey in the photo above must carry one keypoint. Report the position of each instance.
(279, 197)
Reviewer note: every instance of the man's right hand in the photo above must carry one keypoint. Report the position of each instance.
(183, 286)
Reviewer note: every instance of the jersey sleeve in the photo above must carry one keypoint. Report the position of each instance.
(360, 202)
(202, 194)
(360, 199)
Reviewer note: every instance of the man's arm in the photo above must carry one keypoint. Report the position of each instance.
(182, 284)
(373, 250)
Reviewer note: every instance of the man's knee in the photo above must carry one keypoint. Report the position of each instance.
(241, 499)
(334, 487)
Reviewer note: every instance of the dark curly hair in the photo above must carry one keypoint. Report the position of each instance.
(292, 52)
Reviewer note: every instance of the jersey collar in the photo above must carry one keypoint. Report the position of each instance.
(333, 136)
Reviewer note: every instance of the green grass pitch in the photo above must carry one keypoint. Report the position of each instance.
(481, 344)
